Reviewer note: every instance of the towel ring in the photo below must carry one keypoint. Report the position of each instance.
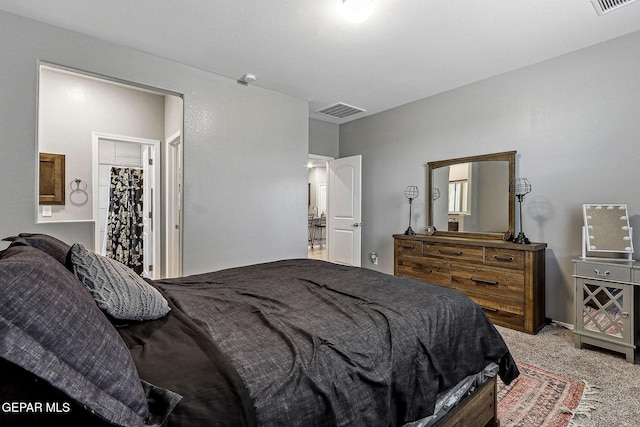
(78, 185)
(78, 195)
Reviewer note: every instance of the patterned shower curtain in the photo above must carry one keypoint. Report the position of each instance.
(124, 219)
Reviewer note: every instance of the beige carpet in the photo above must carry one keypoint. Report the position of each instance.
(617, 401)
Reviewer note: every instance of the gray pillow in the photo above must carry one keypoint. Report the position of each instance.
(50, 326)
(48, 244)
(116, 288)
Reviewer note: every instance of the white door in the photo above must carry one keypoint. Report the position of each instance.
(344, 220)
(150, 213)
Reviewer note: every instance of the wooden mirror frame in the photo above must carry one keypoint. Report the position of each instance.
(508, 156)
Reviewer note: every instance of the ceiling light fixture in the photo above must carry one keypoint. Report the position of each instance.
(357, 11)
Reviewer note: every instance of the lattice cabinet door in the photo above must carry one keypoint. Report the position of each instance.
(605, 307)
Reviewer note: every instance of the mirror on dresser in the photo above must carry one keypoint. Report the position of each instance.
(469, 196)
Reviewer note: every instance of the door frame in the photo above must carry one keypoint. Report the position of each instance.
(173, 206)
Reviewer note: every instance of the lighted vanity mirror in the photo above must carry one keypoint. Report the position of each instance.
(469, 196)
(607, 228)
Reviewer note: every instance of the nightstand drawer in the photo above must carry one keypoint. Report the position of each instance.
(454, 252)
(427, 271)
(504, 258)
(603, 271)
(493, 283)
(409, 247)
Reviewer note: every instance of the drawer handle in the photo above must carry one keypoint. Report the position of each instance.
(495, 310)
(503, 258)
(424, 270)
(601, 274)
(409, 247)
(487, 282)
(445, 252)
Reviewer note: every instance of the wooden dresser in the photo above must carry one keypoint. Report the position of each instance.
(505, 279)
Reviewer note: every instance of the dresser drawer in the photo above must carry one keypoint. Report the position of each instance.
(504, 258)
(505, 318)
(605, 272)
(500, 311)
(409, 247)
(492, 304)
(454, 252)
(428, 271)
(493, 283)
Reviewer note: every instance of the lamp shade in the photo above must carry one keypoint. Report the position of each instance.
(411, 192)
(357, 11)
(520, 187)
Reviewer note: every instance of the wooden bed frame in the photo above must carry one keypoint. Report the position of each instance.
(478, 410)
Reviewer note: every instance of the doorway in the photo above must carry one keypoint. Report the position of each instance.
(317, 247)
(127, 205)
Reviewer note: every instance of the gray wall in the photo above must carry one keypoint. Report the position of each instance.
(575, 122)
(323, 138)
(232, 134)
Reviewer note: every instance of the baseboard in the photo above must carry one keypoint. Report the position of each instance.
(562, 324)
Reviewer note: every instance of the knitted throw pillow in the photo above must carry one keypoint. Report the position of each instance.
(116, 288)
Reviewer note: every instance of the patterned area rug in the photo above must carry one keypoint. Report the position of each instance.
(539, 398)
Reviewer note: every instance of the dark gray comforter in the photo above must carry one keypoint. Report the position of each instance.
(320, 344)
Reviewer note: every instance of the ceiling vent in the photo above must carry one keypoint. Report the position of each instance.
(604, 6)
(340, 110)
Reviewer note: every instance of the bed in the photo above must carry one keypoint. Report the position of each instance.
(288, 343)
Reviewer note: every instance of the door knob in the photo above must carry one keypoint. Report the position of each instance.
(357, 224)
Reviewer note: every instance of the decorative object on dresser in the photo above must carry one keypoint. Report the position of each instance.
(520, 187)
(505, 279)
(606, 287)
(411, 193)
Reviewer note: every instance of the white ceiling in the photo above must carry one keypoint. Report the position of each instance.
(408, 50)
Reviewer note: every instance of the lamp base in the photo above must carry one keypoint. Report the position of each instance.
(410, 232)
(521, 239)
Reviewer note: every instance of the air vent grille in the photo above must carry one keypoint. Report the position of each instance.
(604, 6)
(340, 110)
